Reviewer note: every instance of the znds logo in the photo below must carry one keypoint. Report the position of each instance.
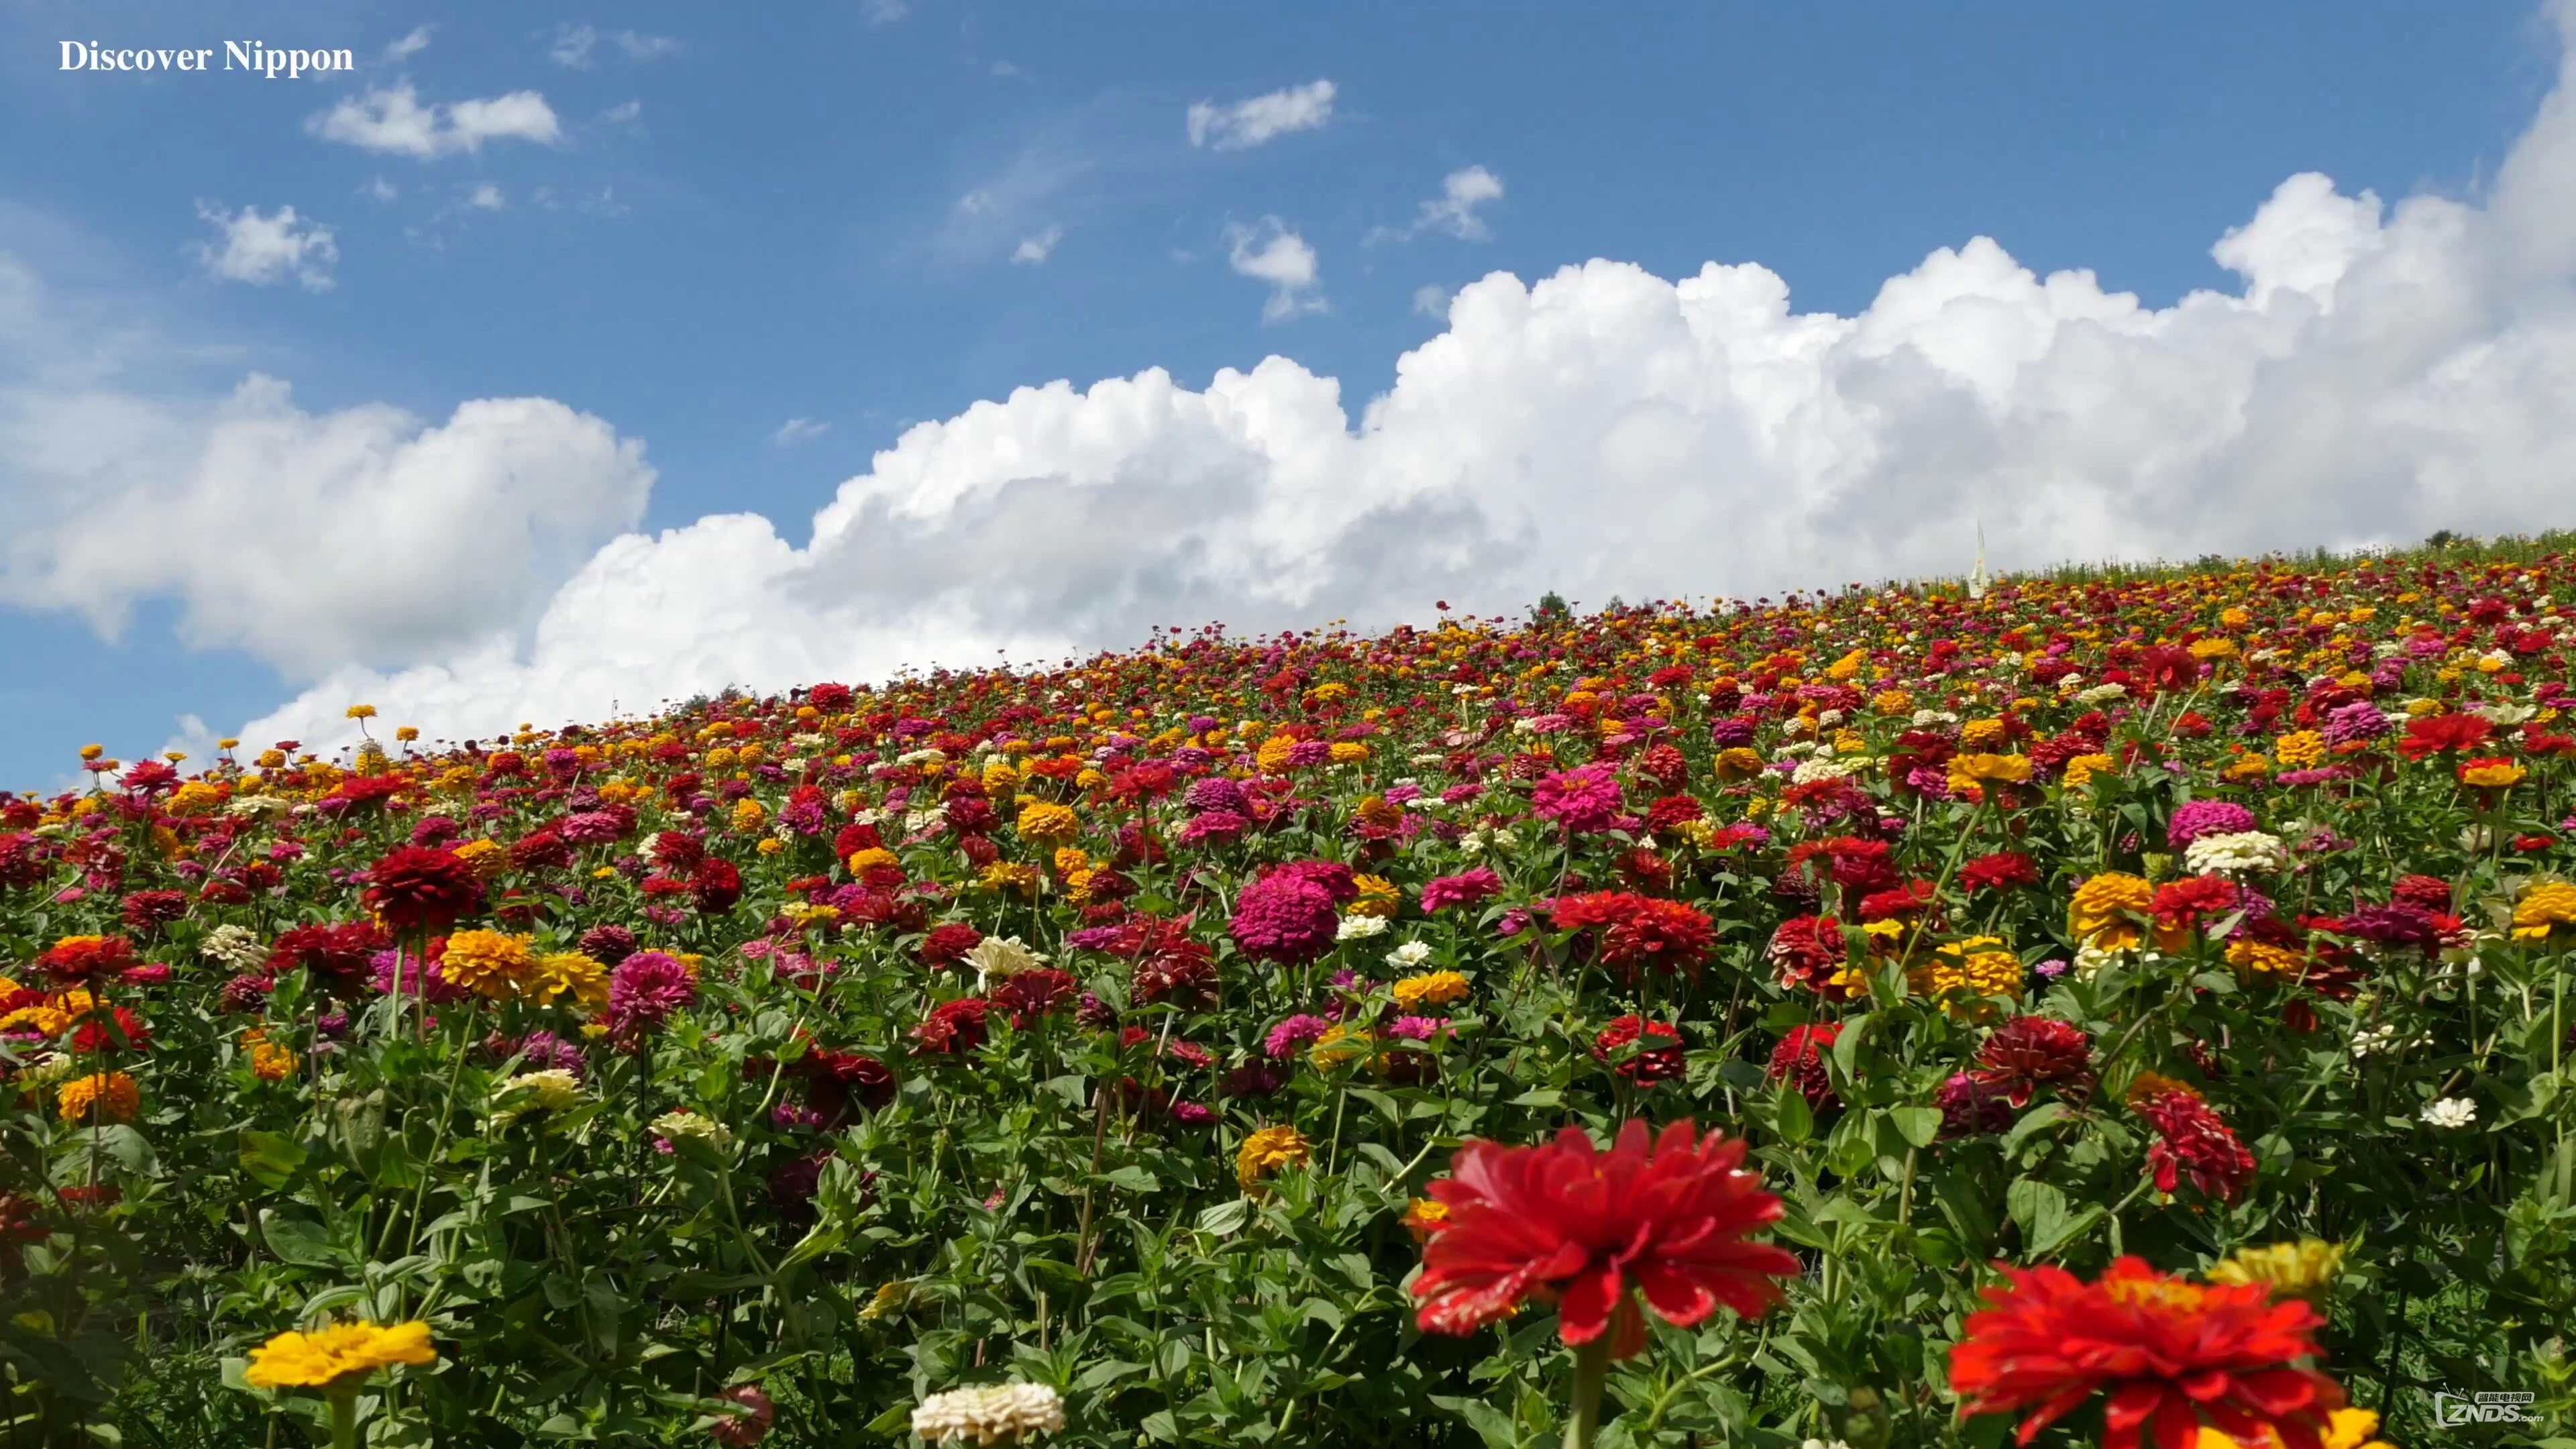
(2452, 1410)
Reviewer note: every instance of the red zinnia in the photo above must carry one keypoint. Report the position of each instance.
(75, 959)
(1800, 1058)
(2163, 1350)
(2000, 871)
(2428, 734)
(1639, 930)
(422, 889)
(2195, 1141)
(954, 1027)
(2030, 1052)
(1563, 1221)
(1807, 951)
(1658, 1057)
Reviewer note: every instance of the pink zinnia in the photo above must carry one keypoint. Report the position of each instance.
(645, 989)
(1582, 800)
(1285, 917)
(1463, 889)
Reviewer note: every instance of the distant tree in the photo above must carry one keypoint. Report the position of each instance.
(1552, 609)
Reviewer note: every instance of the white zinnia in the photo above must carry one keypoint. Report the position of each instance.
(1408, 955)
(2451, 1114)
(1360, 928)
(989, 1414)
(676, 1125)
(2239, 850)
(999, 958)
(233, 946)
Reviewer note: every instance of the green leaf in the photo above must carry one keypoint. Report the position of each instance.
(1919, 1124)
(1489, 1423)
(1132, 1178)
(2043, 1115)
(2039, 1209)
(298, 1240)
(1226, 1217)
(1795, 1121)
(271, 1158)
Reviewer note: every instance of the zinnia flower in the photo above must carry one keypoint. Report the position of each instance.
(335, 1358)
(2192, 1140)
(100, 1096)
(646, 989)
(1800, 1058)
(2169, 1356)
(2304, 1269)
(1285, 917)
(1671, 1214)
(2031, 1052)
(417, 889)
(1658, 1057)
(1639, 930)
(1266, 1152)
(993, 1414)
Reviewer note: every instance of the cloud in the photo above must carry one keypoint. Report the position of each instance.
(409, 46)
(484, 196)
(1431, 301)
(1453, 211)
(307, 540)
(1268, 251)
(1036, 249)
(623, 113)
(249, 247)
(572, 46)
(379, 190)
(1246, 124)
(2373, 373)
(883, 12)
(393, 121)
(995, 218)
(797, 430)
(646, 47)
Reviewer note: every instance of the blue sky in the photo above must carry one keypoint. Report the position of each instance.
(726, 223)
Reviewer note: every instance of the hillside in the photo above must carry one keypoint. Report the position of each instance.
(757, 1071)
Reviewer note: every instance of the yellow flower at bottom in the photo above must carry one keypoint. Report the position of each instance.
(326, 1357)
(269, 1061)
(1266, 1152)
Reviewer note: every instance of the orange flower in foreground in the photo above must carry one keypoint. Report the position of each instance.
(1569, 1223)
(2171, 1356)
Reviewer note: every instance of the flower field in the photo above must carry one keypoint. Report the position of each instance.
(2120, 1008)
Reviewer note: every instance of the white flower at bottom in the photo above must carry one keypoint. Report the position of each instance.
(2450, 1113)
(1408, 955)
(989, 1414)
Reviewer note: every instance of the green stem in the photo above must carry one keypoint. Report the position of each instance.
(1591, 1368)
(344, 1420)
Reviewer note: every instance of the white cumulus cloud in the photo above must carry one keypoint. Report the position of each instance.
(249, 247)
(409, 46)
(2373, 373)
(1454, 210)
(1269, 252)
(393, 121)
(1242, 125)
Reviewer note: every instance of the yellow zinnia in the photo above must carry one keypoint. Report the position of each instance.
(488, 963)
(2098, 915)
(1436, 988)
(2543, 910)
(335, 1358)
(1267, 1151)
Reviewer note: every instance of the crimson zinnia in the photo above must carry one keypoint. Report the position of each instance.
(2170, 1355)
(422, 889)
(1565, 1222)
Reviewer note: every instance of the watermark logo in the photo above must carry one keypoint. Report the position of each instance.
(2452, 1411)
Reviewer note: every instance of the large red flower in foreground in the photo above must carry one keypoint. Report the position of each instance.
(2171, 1356)
(1567, 1222)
